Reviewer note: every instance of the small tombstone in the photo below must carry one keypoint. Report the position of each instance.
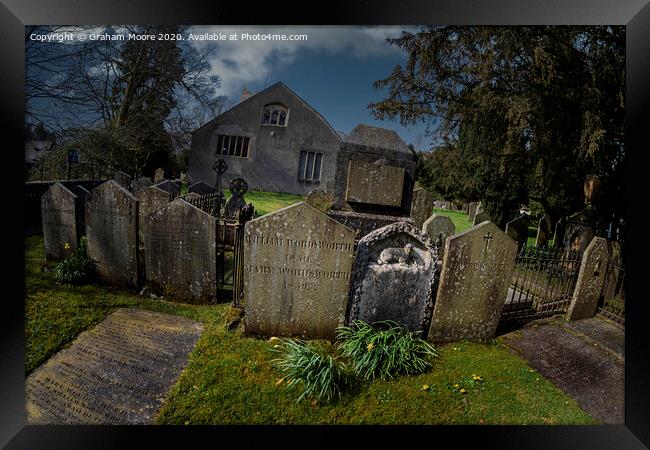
(421, 206)
(320, 200)
(543, 231)
(518, 229)
(590, 280)
(238, 187)
(394, 277)
(297, 267)
(123, 179)
(169, 186)
(149, 200)
(60, 222)
(476, 271)
(558, 234)
(112, 232)
(438, 228)
(180, 253)
(140, 184)
(201, 188)
(480, 217)
(159, 175)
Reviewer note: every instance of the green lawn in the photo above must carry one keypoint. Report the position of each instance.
(459, 218)
(230, 378)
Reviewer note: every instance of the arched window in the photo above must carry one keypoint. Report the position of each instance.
(274, 114)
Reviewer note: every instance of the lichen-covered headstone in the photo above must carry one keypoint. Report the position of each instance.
(543, 231)
(394, 277)
(375, 184)
(320, 200)
(201, 188)
(438, 228)
(149, 200)
(590, 280)
(480, 216)
(180, 253)
(60, 222)
(297, 266)
(471, 210)
(140, 184)
(238, 187)
(169, 186)
(421, 206)
(123, 179)
(476, 271)
(112, 232)
(517, 229)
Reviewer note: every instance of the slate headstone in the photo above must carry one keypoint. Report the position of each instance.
(140, 184)
(201, 188)
(517, 229)
(180, 253)
(591, 277)
(112, 232)
(149, 200)
(438, 228)
(60, 225)
(543, 231)
(320, 200)
(169, 186)
(480, 217)
(421, 207)
(297, 270)
(123, 179)
(476, 271)
(394, 277)
(558, 234)
(375, 184)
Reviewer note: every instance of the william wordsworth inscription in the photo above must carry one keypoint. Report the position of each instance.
(116, 373)
(297, 267)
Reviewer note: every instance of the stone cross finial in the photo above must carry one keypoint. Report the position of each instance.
(220, 166)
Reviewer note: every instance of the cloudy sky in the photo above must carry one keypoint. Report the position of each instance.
(333, 69)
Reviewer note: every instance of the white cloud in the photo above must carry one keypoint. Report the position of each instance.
(246, 63)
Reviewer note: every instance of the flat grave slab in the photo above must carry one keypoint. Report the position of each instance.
(116, 373)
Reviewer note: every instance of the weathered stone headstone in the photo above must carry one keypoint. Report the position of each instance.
(140, 184)
(169, 186)
(112, 232)
(123, 179)
(476, 271)
(438, 228)
(180, 253)
(543, 231)
(115, 373)
(60, 222)
(374, 184)
(590, 280)
(238, 187)
(422, 206)
(297, 266)
(517, 229)
(149, 200)
(201, 188)
(159, 175)
(320, 200)
(364, 223)
(558, 234)
(480, 217)
(581, 227)
(471, 210)
(394, 277)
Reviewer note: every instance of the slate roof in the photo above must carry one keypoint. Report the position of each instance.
(376, 137)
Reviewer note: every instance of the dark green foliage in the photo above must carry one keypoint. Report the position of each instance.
(76, 267)
(383, 349)
(312, 366)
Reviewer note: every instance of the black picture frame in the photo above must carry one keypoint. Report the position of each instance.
(635, 14)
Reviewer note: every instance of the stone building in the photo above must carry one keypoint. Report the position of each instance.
(277, 142)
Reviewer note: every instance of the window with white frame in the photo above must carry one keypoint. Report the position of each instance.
(275, 114)
(309, 168)
(233, 145)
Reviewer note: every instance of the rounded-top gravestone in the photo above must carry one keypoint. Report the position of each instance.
(438, 228)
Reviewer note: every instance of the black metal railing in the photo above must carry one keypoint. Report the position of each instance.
(612, 298)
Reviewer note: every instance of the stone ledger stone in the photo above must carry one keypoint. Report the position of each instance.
(297, 266)
(590, 280)
(422, 206)
(374, 184)
(59, 215)
(394, 277)
(180, 253)
(476, 271)
(438, 228)
(112, 232)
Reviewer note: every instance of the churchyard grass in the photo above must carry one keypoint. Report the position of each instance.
(230, 379)
(459, 218)
(266, 202)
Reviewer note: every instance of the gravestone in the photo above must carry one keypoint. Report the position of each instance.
(438, 228)
(374, 184)
(149, 200)
(471, 210)
(140, 184)
(297, 266)
(558, 234)
(201, 188)
(114, 373)
(169, 186)
(476, 271)
(422, 206)
(112, 232)
(394, 276)
(480, 217)
(543, 231)
(320, 200)
(159, 175)
(60, 222)
(180, 252)
(517, 229)
(591, 277)
(123, 179)
(364, 223)
(238, 187)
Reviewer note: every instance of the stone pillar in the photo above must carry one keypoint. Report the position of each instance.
(590, 281)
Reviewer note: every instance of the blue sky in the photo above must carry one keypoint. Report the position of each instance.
(333, 70)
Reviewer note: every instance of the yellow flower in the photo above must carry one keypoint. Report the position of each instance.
(425, 387)
(370, 346)
(274, 339)
(456, 385)
(66, 246)
(477, 378)
(462, 390)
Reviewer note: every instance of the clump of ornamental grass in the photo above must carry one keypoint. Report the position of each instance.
(76, 267)
(384, 349)
(310, 366)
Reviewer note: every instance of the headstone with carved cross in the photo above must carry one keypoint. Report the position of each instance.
(238, 187)
(220, 166)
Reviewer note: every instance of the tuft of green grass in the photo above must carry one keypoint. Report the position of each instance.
(460, 219)
(384, 349)
(77, 267)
